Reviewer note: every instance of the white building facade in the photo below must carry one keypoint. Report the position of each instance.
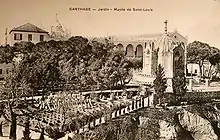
(27, 33)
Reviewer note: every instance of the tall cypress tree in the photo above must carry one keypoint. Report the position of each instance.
(179, 85)
(179, 80)
(160, 82)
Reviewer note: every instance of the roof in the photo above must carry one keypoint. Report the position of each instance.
(28, 27)
(140, 37)
(154, 35)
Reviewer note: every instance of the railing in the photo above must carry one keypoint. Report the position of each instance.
(134, 105)
(56, 119)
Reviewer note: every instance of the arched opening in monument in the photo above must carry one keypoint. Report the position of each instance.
(177, 55)
(139, 51)
(120, 47)
(129, 51)
(178, 60)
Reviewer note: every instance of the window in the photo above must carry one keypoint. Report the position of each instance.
(195, 71)
(41, 37)
(0, 71)
(29, 37)
(17, 36)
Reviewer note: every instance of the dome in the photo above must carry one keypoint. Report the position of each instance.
(58, 32)
(165, 44)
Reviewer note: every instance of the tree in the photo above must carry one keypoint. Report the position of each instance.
(77, 63)
(70, 58)
(26, 132)
(39, 67)
(7, 53)
(116, 72)
(179, 79)
(160, 82)
(214, 60)
(137, 63)
(217, 70)
(13, 93)
(9, 91)
(23, 47)
(93, 64)
(24, 77)
(198, 52)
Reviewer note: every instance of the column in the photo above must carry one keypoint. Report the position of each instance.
(141, 100)
(91, 124)
(97, 122)
(122, 111)
(102, 119)
(113, 114)
(190, 84)
(118, 113)
(207, 83)
(127, 110)
(146, 102)
(135, 104)
(170, 73)
(138, 104)
(151, 99)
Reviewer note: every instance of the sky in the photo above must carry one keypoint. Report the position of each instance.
(196, 19)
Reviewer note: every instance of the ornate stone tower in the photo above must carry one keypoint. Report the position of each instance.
(171, 55)
(165, 58)
(147, 59)
(169, 52)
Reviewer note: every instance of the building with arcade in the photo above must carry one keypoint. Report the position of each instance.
(167, 49)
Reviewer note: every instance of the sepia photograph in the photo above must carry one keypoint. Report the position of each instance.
(110, 70)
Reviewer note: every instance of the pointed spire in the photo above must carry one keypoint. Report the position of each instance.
(165, 22)
(57, 17)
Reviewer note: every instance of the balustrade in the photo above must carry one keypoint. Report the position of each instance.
(97, 121)
(127, 110)
(56, 119)
(135, 104)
